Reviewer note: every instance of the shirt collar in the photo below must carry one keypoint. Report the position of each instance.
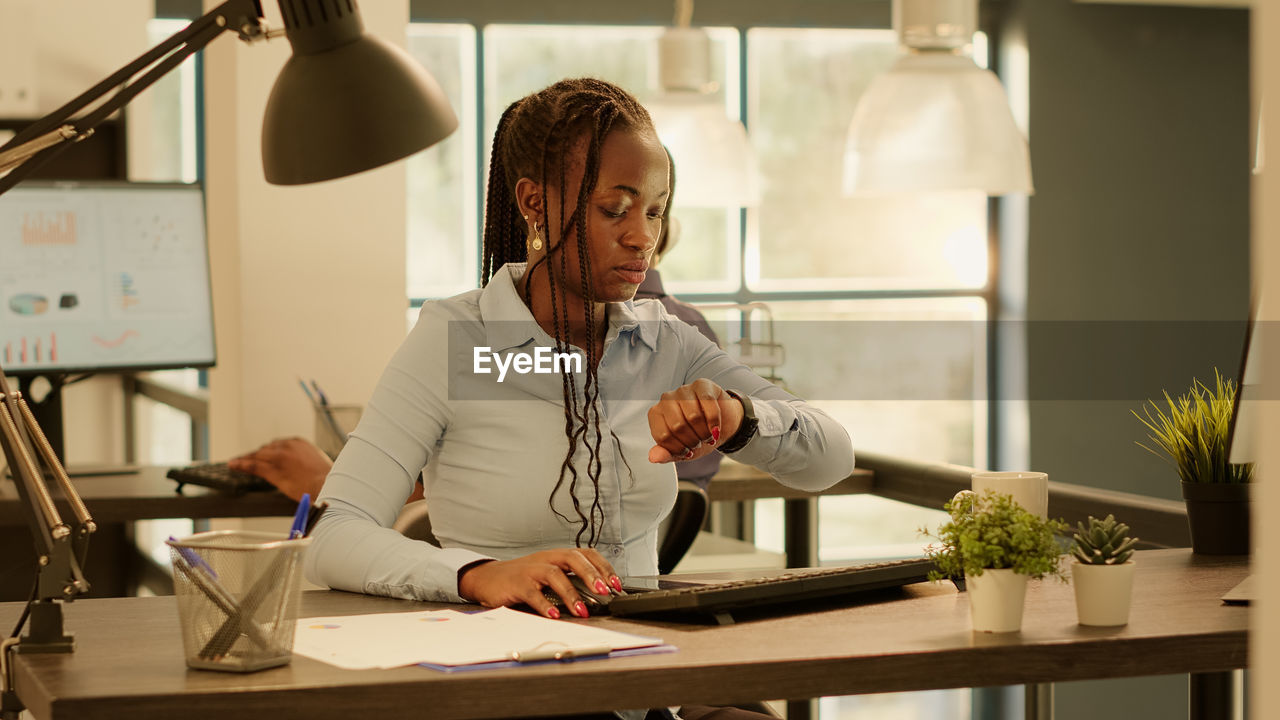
(509, 323)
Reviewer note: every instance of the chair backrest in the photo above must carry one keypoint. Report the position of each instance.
(414, 522)
(686, 519)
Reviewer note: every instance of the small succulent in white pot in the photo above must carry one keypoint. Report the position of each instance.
(1102, 573)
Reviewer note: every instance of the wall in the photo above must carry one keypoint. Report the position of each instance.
(308, 281)
(1140, 149)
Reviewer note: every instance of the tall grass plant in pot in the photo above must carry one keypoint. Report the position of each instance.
(1193, 431)
(996, 545)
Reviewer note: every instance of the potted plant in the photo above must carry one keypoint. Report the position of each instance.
(1194, 434)
(996, 545)
(1102, 573)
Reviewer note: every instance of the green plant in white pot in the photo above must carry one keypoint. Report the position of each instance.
(996, 545)
(1194, 433)
(1103, 571)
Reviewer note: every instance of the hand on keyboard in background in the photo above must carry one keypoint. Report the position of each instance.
(293, 465)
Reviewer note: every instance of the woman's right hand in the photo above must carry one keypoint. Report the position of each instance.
(510, 582)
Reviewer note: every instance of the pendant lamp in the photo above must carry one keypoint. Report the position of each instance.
(935, 121)
(715, 162)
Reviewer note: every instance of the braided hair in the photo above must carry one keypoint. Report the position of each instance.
(536, 138)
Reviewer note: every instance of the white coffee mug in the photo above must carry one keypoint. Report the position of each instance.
(1029, 489)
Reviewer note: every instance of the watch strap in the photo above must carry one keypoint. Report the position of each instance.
(746, 430)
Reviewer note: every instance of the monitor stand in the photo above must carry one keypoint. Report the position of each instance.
(48, 415)
(47, 412)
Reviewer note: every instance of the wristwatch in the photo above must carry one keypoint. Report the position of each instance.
(746, 430)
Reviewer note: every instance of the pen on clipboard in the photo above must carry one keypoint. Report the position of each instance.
(559, 651)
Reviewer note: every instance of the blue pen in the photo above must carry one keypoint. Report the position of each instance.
(307, 390)
(324, 400)
(300, 517)
(193, 558)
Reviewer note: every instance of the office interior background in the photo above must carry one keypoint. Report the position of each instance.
(1141, 118)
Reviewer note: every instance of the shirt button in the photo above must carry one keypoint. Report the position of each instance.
(617, 549)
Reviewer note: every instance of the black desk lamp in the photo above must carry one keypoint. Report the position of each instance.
(344, 102)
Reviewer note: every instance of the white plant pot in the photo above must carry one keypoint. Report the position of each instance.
(995, 600)
(1103, 593)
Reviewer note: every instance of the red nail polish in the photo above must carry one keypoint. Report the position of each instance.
(553, 613)
(601, 587)
(617, 583)
(715, 434)
(582, 609)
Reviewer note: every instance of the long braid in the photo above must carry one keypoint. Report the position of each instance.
(534, 139)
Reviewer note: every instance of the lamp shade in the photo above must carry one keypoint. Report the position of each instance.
(346, 101)
(713, 159)
(935, 121)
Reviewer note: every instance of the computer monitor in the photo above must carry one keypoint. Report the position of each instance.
(1242, 441)
(101, 276)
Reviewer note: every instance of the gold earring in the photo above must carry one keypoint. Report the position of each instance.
(536, 242)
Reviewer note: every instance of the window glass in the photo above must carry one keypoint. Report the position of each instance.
(443, 196)
(809, 236)
(905, 377)
(170, 108)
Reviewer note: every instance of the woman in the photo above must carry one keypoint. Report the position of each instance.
(536, 474)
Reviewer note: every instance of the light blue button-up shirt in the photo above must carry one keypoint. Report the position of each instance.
(493, 449)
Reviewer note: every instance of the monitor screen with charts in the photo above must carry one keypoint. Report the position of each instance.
(104, 276)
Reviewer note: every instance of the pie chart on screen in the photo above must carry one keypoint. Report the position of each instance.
(28, 304)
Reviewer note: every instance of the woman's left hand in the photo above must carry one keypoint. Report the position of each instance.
(691, 420)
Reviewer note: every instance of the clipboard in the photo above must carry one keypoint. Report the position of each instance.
(453, 639)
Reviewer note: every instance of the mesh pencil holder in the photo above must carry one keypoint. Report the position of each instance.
(237, 595)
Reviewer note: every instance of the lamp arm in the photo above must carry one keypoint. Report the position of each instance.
(240, 16)
(42, 515)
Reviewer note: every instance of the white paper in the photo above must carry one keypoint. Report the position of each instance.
(445, 637)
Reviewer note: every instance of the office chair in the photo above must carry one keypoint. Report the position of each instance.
(414, 523)
(682, 526)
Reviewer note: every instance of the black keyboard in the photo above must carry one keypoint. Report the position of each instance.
(718, 599)
(219, 477)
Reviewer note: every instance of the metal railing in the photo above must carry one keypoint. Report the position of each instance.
(1158, 522)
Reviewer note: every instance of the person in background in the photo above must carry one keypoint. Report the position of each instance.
(701, 470)
(294, 465)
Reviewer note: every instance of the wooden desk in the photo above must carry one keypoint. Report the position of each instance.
(128, 660)
(740, 482)
(115, 502)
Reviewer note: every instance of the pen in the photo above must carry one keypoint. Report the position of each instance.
(307, 390)
(323, 406)
(193, 558)
(324, 399)
(300, 516)
(191, 565)
(558, 651)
